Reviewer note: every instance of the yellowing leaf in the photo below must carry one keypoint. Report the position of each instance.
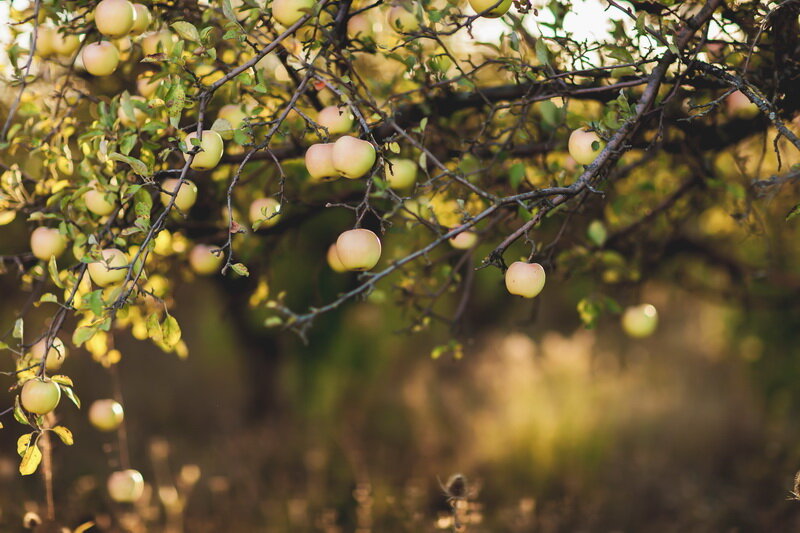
(23, 442)
(62, 380)
(64, 434)
(171, 332)
(30, 461)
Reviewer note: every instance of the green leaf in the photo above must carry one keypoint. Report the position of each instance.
(52, 269)
(171, 331)
(83, 334)
(138, 166)
(240, 269)
(30, 460)
(70, 393)
(154, 328)
(186, 30)
(515, 175)
(589, 311)
(19, 414)
(64, 434)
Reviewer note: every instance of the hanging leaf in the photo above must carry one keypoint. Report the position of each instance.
(64, 434)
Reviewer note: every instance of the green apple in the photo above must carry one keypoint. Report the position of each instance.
(55, 355)
(333, 259)
(402, 20)
(114, 18)
(352, 158)
(482, 5)
(106, 415)
(640, 321)
(233, 114)
(319, 161)
(464, 240)
(287, 12)
(211, 147)
(186, 197)
(39, 396)
(142, 20)
(100, 59)
(98, 202)
(358, 249)
(584, 146)
(45, 41)
(47, 242)
(336, 119)
(158, 42)
(203, 261)
(400, 173)
(111, 269)
(125, 486)
(262, 210)
(525, 279)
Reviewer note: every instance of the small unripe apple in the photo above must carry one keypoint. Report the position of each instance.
(203, 261)
(98, 202)
(47, 242)
(525, 279)
(597, 232)
(287, 12)
(400, 173)
(125, 486)
(360, 27)
(114, 18)
(186, 197)
(336, 119)
(402, 20)
(158, 42)
(482, 5)
(147, 85)
(464, 240)
(65, 44)
(263, 209)
(640, 321)
(582, 146)
(100, 59)
(358, 249)
(740, 106)
(111, 269)
(55, 355)
(39, 396)
(142, 20)
(319, 161)
(45, 41)
(333, 259)
(139, 116)
(233, 114)
(353, 158)
(106, 415)
(210, 153)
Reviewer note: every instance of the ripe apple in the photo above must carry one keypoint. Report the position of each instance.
(464, 240)
(39, 396)
(740, 106)
(100, 59)
(319, 161)
(186, 197)
(65, 44)
(262, 210)
(142, 20)
(400, 173)
(106, 415)
(210, 153)
(111, 269)
(203, 261)
(47, 242)
(124, 46)
(55, 355)
(336, 119)
(114, 18)
(147, 85)
(45, 41)
(482, 5)
(287, 12)
(157, 42)
(402, 20)
(352, 158)
(98, 202)
(333, 259)
(640, 321)
(525, 279)
(358, 249)
(125, 486)
(582, 146)
(233, 114)
(360, 27)
(139, 116)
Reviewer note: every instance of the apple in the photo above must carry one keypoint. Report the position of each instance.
(360, 27)
(739, 105)
(210, 153)
(208, 74)
(400, 173)
(100, 59)
(597, 232)
(147, 85)
(203, 261)
(142, 19)
(319, 161)
(640, 321)
(186, 197)
(464, 240)
(114, 18)
(139, 116)
(98, 202)
(106, 415)
(112, 269)
(262, 210)
(156, 42)
(124, 46)
(482, 5)
(55, 355)
(333, 259)
(582, 146)
(525, 279)
(352, 158)
(45, 41)
(40, 396)
(402, 20)
(233, 114)
(336, 119)
(358, 249)
(47, 242)
(287, 12)
(65, 44)
(125, 486)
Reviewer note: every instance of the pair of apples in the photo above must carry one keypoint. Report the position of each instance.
(114, 19)
(49, 242)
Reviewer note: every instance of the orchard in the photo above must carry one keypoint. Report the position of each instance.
(347, 175)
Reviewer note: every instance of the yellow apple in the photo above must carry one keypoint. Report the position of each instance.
(55, 355)
(336, 119)
(464, 240)
(287, 12)
(147, 85)
(210, 153)
(111, 269)
(47, 242)
(39, 396)
(142, 20)
(139, 116)
(333, 260)
(45, 41)
(740, 106)
(186, 197)
(358, 249)
(402, 20)
(263, 209)
(233, 114)
(482, 5)
(114, 18)
(640, 321)
(125, 486)
(124, 46)
(360, 27)
(203, 261)
(352, 158)
(582, 146)
(98, 202)
(319, 161)
(400, 173)
(65, 44)
(525, 279)
(157, 42)
(100, 59)
(106, 415)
